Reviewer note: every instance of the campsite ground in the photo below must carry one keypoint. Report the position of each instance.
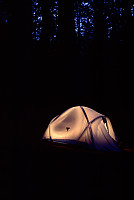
(81, 174)
(55, 171)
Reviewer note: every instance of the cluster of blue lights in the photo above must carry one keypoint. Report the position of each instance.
(37, 19)
(54, 22)
(118, 11)
(108, 15)
(84, 19)
(132, 9)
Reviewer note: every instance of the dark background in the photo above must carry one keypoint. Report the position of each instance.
(40, 79)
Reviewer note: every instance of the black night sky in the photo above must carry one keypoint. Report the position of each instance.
(55, 55)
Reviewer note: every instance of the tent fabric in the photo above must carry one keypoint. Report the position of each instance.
(81, 124)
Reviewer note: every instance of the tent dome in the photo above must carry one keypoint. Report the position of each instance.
(82, 125)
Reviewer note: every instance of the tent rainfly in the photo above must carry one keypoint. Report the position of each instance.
(82, 125)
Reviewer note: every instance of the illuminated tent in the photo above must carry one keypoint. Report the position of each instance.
(82, 125)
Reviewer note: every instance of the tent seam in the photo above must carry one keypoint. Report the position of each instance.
(89, 124)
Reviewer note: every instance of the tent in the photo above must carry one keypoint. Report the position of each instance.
(82, 125)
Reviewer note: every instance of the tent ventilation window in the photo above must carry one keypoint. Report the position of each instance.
(105, 123)
(67, 128)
